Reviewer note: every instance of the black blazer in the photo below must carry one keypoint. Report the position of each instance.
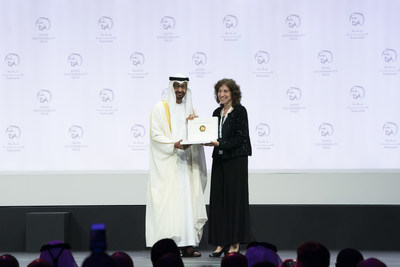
(235, 141)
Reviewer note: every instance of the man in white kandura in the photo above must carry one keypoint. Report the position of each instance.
(175, 201)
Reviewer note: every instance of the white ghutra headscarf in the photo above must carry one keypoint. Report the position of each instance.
(171, 99)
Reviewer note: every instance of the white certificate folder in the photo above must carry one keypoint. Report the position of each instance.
(202, 131)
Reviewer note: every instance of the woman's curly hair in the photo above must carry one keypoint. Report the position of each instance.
(234, 88)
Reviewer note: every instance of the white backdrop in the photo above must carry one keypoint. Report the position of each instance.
(320, 80)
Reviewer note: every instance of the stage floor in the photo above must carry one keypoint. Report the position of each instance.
(142, 258)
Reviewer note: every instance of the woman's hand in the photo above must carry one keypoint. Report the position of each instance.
(212, 143)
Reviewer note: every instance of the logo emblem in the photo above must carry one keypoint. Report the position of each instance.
(199, 58)
(137, 59)
(390, 128)
(357, 92)
(326, 129)
(164, 93)
(138, 131)
(389, 55)
(12, 60)
(75, 60)
(262, 58)
(106, 95)
(13, 132)
(263, 130)
(325, 56)
(43, 24)
(105, 23)
(230, 21)
(75, 131)
(44, 96)
(293, 93)
(356, 19)
(202, 128)
(293, 21)
(168, 23)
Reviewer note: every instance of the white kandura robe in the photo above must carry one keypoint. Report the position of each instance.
(175, 201)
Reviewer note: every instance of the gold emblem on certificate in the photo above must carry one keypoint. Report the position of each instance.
(201, 131)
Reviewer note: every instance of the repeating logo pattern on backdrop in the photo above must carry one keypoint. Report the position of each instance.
(293, 22)
(43, 25)
(138, 140)
(389, 61)
(75, 134)
(262, 136)
(326, 132)
(230, 28)
(167, 26)
(105, 25)
(13, 132)
(137, 60)
(294, 95)
(75, 61)
(164, 93)
(106, 98)
(261, 61)
(13, 139)
(12, 62)
(199, 60)
(390, 136)
(356, 22)
(325, 59)
(356, 99)
(43, 99)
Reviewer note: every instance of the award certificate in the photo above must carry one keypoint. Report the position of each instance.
(202, 131)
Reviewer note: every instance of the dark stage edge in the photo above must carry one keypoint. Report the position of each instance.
(142, 258)
(365, 227)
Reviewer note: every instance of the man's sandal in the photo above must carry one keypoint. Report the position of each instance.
(190, 252)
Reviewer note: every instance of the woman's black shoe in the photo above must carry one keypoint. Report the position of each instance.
(219, 253)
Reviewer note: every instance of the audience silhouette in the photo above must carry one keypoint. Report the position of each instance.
(264, 264)
(235, 259)
(98, 245)
(312, 254)
(162, 247)
(165, 253)
(58, 254)
(260, 252)
(170, 260)
(39, 263)
(371, 262)
(8, 260)
(122, 259)
(348, 257)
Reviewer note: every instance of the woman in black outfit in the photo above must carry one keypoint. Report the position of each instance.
(229, 196)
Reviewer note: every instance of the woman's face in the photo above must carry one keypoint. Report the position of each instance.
(224, 95)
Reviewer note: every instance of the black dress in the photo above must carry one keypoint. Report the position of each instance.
(229, 195)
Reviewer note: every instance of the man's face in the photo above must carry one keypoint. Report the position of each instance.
(180, 90)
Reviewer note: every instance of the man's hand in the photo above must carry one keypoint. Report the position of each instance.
(179, 146)
(191, 117)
